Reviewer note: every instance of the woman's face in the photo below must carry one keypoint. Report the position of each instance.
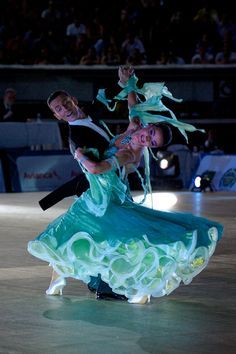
(150, 136)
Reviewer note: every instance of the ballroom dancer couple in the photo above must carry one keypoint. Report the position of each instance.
(106, 237)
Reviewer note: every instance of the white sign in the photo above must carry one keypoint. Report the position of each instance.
(44, 173)
(224, 168)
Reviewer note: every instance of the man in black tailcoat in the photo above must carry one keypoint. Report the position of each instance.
(83, 132)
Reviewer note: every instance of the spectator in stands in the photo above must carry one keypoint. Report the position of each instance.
(123, 24)
(135, 58)
(226, 56)
(210, 141)
(169, 58)
(90, 58)
(226, 23)
(202, 57)
(132, 42)
(75, 28)
(204, 50)
(43, 57)
(7, 107)
(211, 144)
(80, 48)
(111, 55)
(205, 21)
(51, 13)
(101, 42)
(13, 49)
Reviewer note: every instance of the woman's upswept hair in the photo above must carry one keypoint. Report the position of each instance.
(166, 131)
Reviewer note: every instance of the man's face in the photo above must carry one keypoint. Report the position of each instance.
(66, 108)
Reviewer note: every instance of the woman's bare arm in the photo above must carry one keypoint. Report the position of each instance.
(123, 157)
(125, 72)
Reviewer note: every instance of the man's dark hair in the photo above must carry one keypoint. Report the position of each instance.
(55, 94)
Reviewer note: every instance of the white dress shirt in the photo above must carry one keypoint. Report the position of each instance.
(87, 122)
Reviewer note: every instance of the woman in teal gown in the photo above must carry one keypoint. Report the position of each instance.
(139, 252)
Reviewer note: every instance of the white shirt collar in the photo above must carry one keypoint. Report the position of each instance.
(87, 122)
(83, 121)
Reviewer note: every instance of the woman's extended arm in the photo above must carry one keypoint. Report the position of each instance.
(123, 157)
(125, 72)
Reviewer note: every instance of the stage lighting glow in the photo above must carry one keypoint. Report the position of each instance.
(13, 209)
(168, 164)
(164, 163)
(197, 181)
(161, 201)
(27, 211)
(204, 182)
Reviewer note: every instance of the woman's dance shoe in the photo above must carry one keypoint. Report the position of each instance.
(56, 286)
(139, 299)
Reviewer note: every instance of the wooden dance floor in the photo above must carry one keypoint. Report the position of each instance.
(199, 318)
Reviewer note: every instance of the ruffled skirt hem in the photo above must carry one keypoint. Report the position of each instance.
(134, 269)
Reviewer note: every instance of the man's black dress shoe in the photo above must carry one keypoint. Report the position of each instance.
(110, 296)
(93, 290)
(103, 290)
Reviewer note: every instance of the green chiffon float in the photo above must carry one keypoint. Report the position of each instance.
(136, 250)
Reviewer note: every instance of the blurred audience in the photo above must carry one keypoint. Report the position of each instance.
(90, 58)
(143, 31)
(169, 58)
(204, 51)
(75, 28)
(132, 49)
(227, 55)
(111, 55)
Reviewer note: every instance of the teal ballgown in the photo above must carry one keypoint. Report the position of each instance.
(136, 250)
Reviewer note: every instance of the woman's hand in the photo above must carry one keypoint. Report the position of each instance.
(79, 153)
(94, 167)
(125, 72)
